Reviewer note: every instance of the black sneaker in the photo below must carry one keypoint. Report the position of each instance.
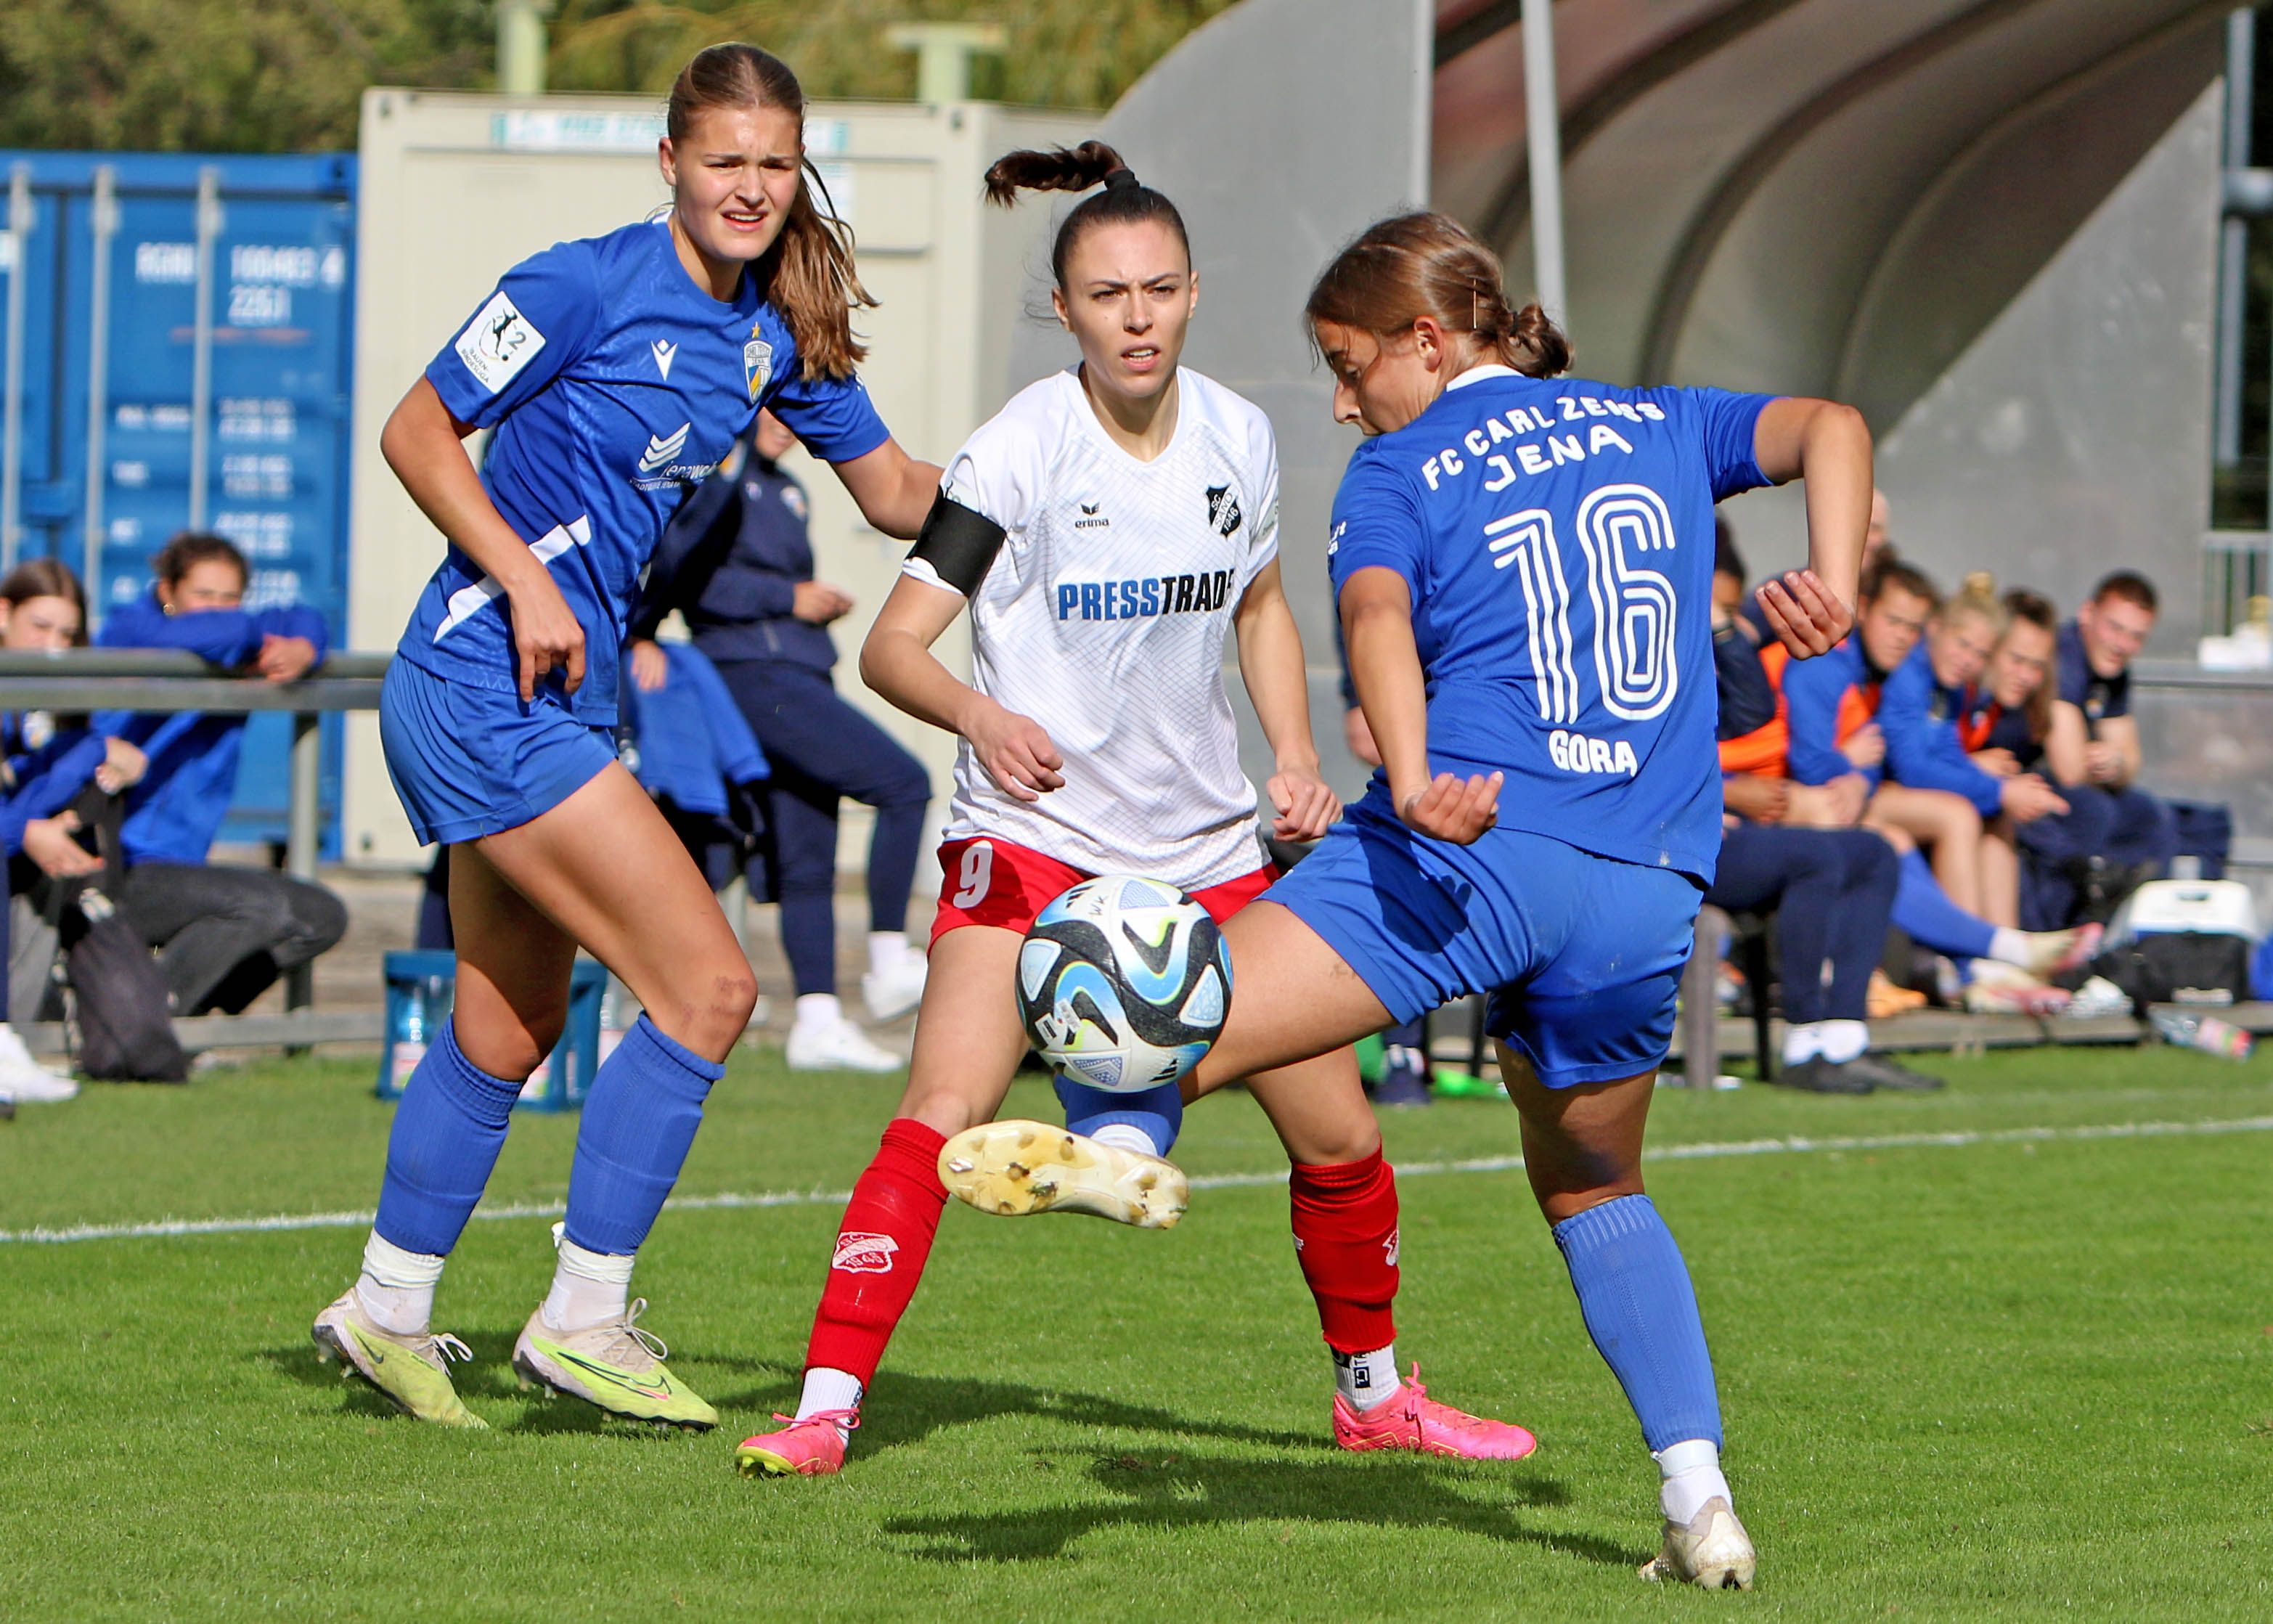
(1820, 1076)
(1884, 1072)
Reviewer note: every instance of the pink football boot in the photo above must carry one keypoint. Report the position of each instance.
(813, 1447)
(1415, 1421)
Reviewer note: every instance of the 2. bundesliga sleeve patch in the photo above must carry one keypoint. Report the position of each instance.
(497, 342)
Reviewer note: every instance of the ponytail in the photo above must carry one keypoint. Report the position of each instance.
(1419, 265)
(1125, 199)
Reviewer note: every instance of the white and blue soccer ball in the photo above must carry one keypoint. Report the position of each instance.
(1123, 983)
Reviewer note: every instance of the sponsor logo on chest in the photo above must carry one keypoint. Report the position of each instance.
(1143, 598)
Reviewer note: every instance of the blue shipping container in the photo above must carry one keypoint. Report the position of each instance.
(179, 335)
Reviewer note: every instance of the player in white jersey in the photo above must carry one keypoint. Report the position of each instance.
(1108, 531)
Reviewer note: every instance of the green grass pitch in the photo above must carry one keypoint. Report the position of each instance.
(1980, 1359)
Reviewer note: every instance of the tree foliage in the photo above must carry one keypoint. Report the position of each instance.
(1062, 53)
(289, 75)
(222, 75)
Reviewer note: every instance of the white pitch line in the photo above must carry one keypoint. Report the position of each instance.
(173, 1229)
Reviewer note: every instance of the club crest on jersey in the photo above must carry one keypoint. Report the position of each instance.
(864, 1254)
(1223, 510)
(757, 364)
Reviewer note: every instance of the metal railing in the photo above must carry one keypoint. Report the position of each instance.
(77, 680)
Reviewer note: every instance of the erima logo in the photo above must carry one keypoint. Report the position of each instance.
(661, 450)
(1389, 1251)
(864, 1254)
(664, 354)
(1222, 508)
(1089, 520)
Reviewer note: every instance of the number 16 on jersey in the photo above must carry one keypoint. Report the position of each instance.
(1635, 674)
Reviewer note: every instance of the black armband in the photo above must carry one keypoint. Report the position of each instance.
(957, 547)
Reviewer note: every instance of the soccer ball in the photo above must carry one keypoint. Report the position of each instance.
(1123, 983)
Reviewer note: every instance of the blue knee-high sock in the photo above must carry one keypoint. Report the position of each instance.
(1158, 1113)
(638, 1120)
(446, 1135)
(1924, 910)
(1634, 1293)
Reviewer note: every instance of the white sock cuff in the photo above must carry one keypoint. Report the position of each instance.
(818, 1009)
(886, 948)
(1691, 1455)
(1842, 1041)
(600, 1267)
(1802, 1043)
(389, 1265)
(1127, 1136)
(827, 1389)
(2009, 946)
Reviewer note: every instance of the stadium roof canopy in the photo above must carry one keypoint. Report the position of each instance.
(1826, 196)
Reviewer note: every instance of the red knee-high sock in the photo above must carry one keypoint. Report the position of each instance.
(881, 1250)
(1346, 1240)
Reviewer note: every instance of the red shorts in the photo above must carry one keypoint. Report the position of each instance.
(991, 882)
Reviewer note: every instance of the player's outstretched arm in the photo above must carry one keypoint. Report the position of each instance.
(897, 662)
(1828, 446)
(1270, 662)
(424, 446)
(894, 491)
(1376, 608)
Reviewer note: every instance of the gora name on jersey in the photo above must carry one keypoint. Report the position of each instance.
(1103, 619)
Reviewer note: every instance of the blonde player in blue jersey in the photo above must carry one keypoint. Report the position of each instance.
(1523, 565)
(614, 371)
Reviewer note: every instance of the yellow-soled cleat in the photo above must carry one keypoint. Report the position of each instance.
(412, 1372)
(1012, 1169)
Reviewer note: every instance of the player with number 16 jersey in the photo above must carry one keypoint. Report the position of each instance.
(1106, 532)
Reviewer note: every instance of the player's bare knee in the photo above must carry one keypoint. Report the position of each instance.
(511, 1050)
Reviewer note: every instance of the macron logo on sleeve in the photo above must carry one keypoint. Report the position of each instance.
(497, 342)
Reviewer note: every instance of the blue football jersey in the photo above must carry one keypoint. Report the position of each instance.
(614, 383)
(1556, 536)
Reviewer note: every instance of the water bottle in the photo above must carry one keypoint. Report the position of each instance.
(410, 1035)
(2206, 1033)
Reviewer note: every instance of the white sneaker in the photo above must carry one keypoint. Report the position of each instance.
(25, 1078)
(893, 991)
(1713, 1552)
(838, 1046)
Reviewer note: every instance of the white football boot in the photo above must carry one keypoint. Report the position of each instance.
(897, 988)
(1013, 1168)
(23, 1079)
(837, 1045)
(1713, 1552)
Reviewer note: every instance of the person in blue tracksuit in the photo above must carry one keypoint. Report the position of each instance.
(1523, 565)
(45, 767)
(1833, 889)
(690, 748)
(614, 371)
(737, 563)
(222, 934)
(1920, 714)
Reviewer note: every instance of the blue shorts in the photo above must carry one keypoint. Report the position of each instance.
(1580, 954)
(468, 762)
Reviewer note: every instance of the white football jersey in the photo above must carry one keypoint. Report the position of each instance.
(1103, 619)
